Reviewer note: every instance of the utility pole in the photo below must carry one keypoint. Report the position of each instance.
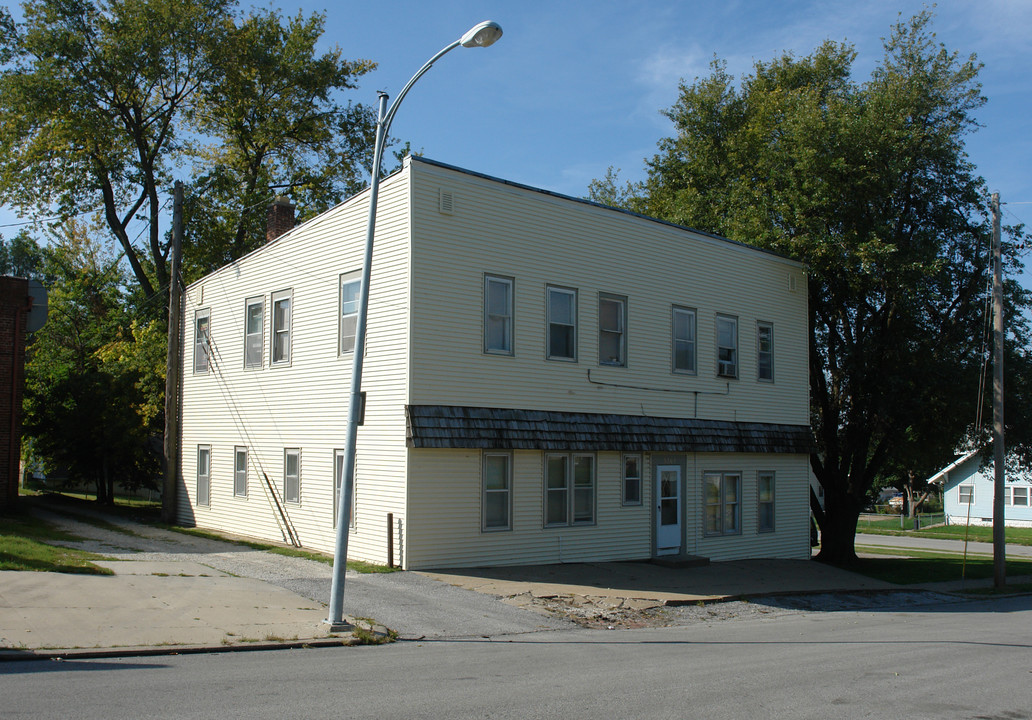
(999, 455)
(173, 366)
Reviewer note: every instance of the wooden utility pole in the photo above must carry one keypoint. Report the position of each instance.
(999, 455)
(173, 366)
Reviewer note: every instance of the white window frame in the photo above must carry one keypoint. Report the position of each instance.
(727, 353)
(338, 465)
(279, 355)
(688, 344)
(764, 356)
(570, 324)
(569, 491)
(761, 477)
(292, 481)
(240, 474)
(488, 492)
(505, 318)
(347, 327)
(1024, 495)
(969, 490)
(254, 340)
(632, 478)
(619, 331)
(203, 487)
(202, 342)
(724, 481)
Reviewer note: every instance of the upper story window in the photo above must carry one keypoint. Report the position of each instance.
(727, 346)
(282, 310)
(498, 292)
(254, 332)
(350, 285)
(202, 341)
(765, 351)
(683, 340)
(562, 323)
(612, 330)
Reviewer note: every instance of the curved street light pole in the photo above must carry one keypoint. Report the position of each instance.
(481, 35)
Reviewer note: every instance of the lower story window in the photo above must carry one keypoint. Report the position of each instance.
(240, 472)
(722, 492)
(632, 480)
(203, 474)
(1017, 495)
(569, 489)
(292, 475)
(765, 501)
(497, 500)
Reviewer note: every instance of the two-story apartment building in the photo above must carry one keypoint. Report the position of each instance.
(546, 379)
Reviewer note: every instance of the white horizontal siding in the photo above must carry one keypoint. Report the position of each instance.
(540, 240)
(304, 405)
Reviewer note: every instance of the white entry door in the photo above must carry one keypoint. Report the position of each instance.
(668, 509)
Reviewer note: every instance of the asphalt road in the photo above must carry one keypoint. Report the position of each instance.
(947, 659)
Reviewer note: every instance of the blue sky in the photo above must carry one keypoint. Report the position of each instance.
(576, 86)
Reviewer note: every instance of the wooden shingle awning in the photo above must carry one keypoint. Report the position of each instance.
(447, 426)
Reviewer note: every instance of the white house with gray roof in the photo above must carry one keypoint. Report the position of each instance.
(547, 380)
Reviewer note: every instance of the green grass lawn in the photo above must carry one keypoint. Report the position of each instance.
(23, 546)
(926, 567)
(973, 533)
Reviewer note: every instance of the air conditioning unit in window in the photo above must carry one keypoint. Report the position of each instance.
(726, 369)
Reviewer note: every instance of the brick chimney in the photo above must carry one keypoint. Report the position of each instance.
(280, 219)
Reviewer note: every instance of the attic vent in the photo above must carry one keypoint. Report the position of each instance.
(791, 282)
(447, 202)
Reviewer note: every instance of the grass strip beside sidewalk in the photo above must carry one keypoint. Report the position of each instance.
(24, 546)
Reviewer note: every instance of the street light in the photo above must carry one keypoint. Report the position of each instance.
(481, 35)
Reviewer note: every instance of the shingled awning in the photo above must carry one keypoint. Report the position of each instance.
(447, 426)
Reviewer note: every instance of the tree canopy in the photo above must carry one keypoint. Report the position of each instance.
(102, 101)
(869, 185)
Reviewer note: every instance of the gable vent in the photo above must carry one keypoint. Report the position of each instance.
(447, 203)
(791, 282)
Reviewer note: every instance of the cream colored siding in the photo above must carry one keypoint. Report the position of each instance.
(303, 404)
(445, 485)
(541, 240)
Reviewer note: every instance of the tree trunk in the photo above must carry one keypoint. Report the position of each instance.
(838, 534)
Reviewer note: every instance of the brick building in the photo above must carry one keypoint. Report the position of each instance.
(14, 305)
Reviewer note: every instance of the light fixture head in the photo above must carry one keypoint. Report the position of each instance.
(482, 35)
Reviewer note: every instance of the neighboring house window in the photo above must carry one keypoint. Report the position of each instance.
(569, 489)
(683, 331)
(338, 474)
(765, 351)
(254, 332)
(202, 341)
(632, 480)
(727, 346)
(1016, 495)
(765, 501)
(497, 510)
(498, 315)
(966, 494)
(350, 285)
(722, 492)
(203, 475)
(240, 471)
(562, 324)
(612, 330)
(281, 322)
(292, 475)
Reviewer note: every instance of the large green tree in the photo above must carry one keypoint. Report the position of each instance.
(868, 184)
(92, 376)
(103, 101)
